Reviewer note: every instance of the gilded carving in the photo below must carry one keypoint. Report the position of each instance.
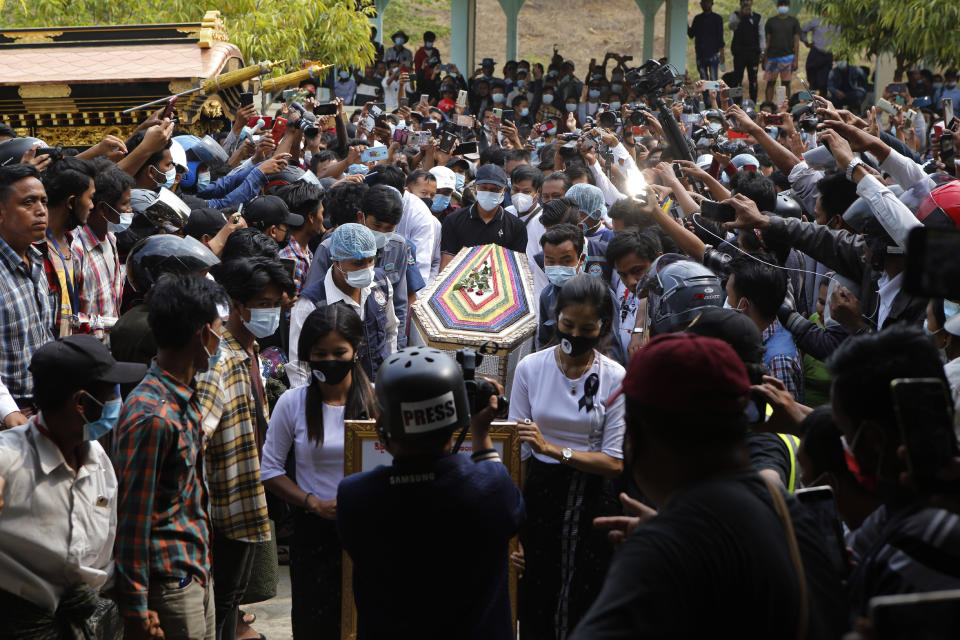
(33, 37)
(28, 91)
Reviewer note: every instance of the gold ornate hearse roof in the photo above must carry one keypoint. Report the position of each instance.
(86, 76)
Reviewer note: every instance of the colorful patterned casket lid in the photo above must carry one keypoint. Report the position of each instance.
(484, 295)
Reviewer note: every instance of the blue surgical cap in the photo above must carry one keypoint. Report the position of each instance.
(352, 241)
(589, 200)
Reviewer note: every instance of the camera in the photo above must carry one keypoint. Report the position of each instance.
(478, 389)
(728, 147)
(652, 78)
(307, 121)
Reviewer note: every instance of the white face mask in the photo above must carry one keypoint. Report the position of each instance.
(489, 200)
(522, 202)
(359, 279)
(381, 238)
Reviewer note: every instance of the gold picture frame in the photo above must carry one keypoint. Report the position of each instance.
(363, 451)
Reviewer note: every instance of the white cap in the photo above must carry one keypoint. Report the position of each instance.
(705, 161)
(446, 178)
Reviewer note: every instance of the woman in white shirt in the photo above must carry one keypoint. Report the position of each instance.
(308, 421)
(571, 450)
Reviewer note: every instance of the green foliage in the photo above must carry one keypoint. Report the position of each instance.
(329, 31)
(413, 17)
(912, 30)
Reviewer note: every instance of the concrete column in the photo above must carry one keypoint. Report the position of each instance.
(377, 21)
(463, 25)
(677, 34)
(511, 8)
(649, 9)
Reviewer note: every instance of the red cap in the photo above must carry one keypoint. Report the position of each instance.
(681, 371)
(446, 105)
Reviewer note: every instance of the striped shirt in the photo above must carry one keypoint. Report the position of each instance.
(164, 530)
(101, 283)
(238, 505)
(26, 316)
(61, 277)
(293, 251)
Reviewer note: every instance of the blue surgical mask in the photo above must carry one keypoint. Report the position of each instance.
(203, 181)
(783, 10)
(441, 202)
(489, 200)
(355, 169)
(571, 108)
(617, 88)
(547, 98)
(499, 98)
(615, 106)
(126, 219)
(841, 65)
(521, 82)
(360, 278)
(213, 358)
(524, 112)
(594, 94)
(344, 75)
(558, 275)
(453, 74)
(263, 322)
(461, 180)
(169, 177)
(428, 45)
(109, 415)
(398, 41)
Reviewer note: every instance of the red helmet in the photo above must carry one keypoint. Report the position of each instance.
(941, 208)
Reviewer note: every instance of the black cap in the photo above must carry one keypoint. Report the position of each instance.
(205, 221)
(267, 211)
(81, 359)
(732, 327)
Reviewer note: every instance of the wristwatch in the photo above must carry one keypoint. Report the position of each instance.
(566, 455)
(856, 162)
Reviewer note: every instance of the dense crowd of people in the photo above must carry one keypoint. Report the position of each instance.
(740, 393)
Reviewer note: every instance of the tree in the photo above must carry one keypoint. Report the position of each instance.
(329, 31)
(914, 31)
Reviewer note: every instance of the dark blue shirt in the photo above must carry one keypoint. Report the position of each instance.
(707, 34)
(429, 542)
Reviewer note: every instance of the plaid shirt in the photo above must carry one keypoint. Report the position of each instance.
(293, 251)
(238, 505)
(787, 370)
(163, 529)
(101, 284)
(26, 315)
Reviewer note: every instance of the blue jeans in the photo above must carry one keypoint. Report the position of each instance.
(709, 68)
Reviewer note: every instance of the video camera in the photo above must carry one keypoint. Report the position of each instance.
(478, 389)
(307, 122)
(652, 78)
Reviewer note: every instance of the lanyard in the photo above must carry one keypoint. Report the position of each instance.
(71, 292)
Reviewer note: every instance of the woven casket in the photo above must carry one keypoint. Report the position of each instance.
(483, 300)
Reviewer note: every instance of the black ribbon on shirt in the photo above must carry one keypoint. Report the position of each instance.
(590, 388)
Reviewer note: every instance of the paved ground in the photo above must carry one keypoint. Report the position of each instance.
(273, 616)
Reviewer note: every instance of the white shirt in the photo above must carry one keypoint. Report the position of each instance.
(888, 290)
(629, 321)
(57, 528)
(535, 231)
(541, 392)
(7, 404)
(305, 306)
(420, 227)
(319, 466)
(391, 93)
(894, 216)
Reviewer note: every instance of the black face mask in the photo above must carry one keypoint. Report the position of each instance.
(428, 202)
(331, 372)
(576, 345)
